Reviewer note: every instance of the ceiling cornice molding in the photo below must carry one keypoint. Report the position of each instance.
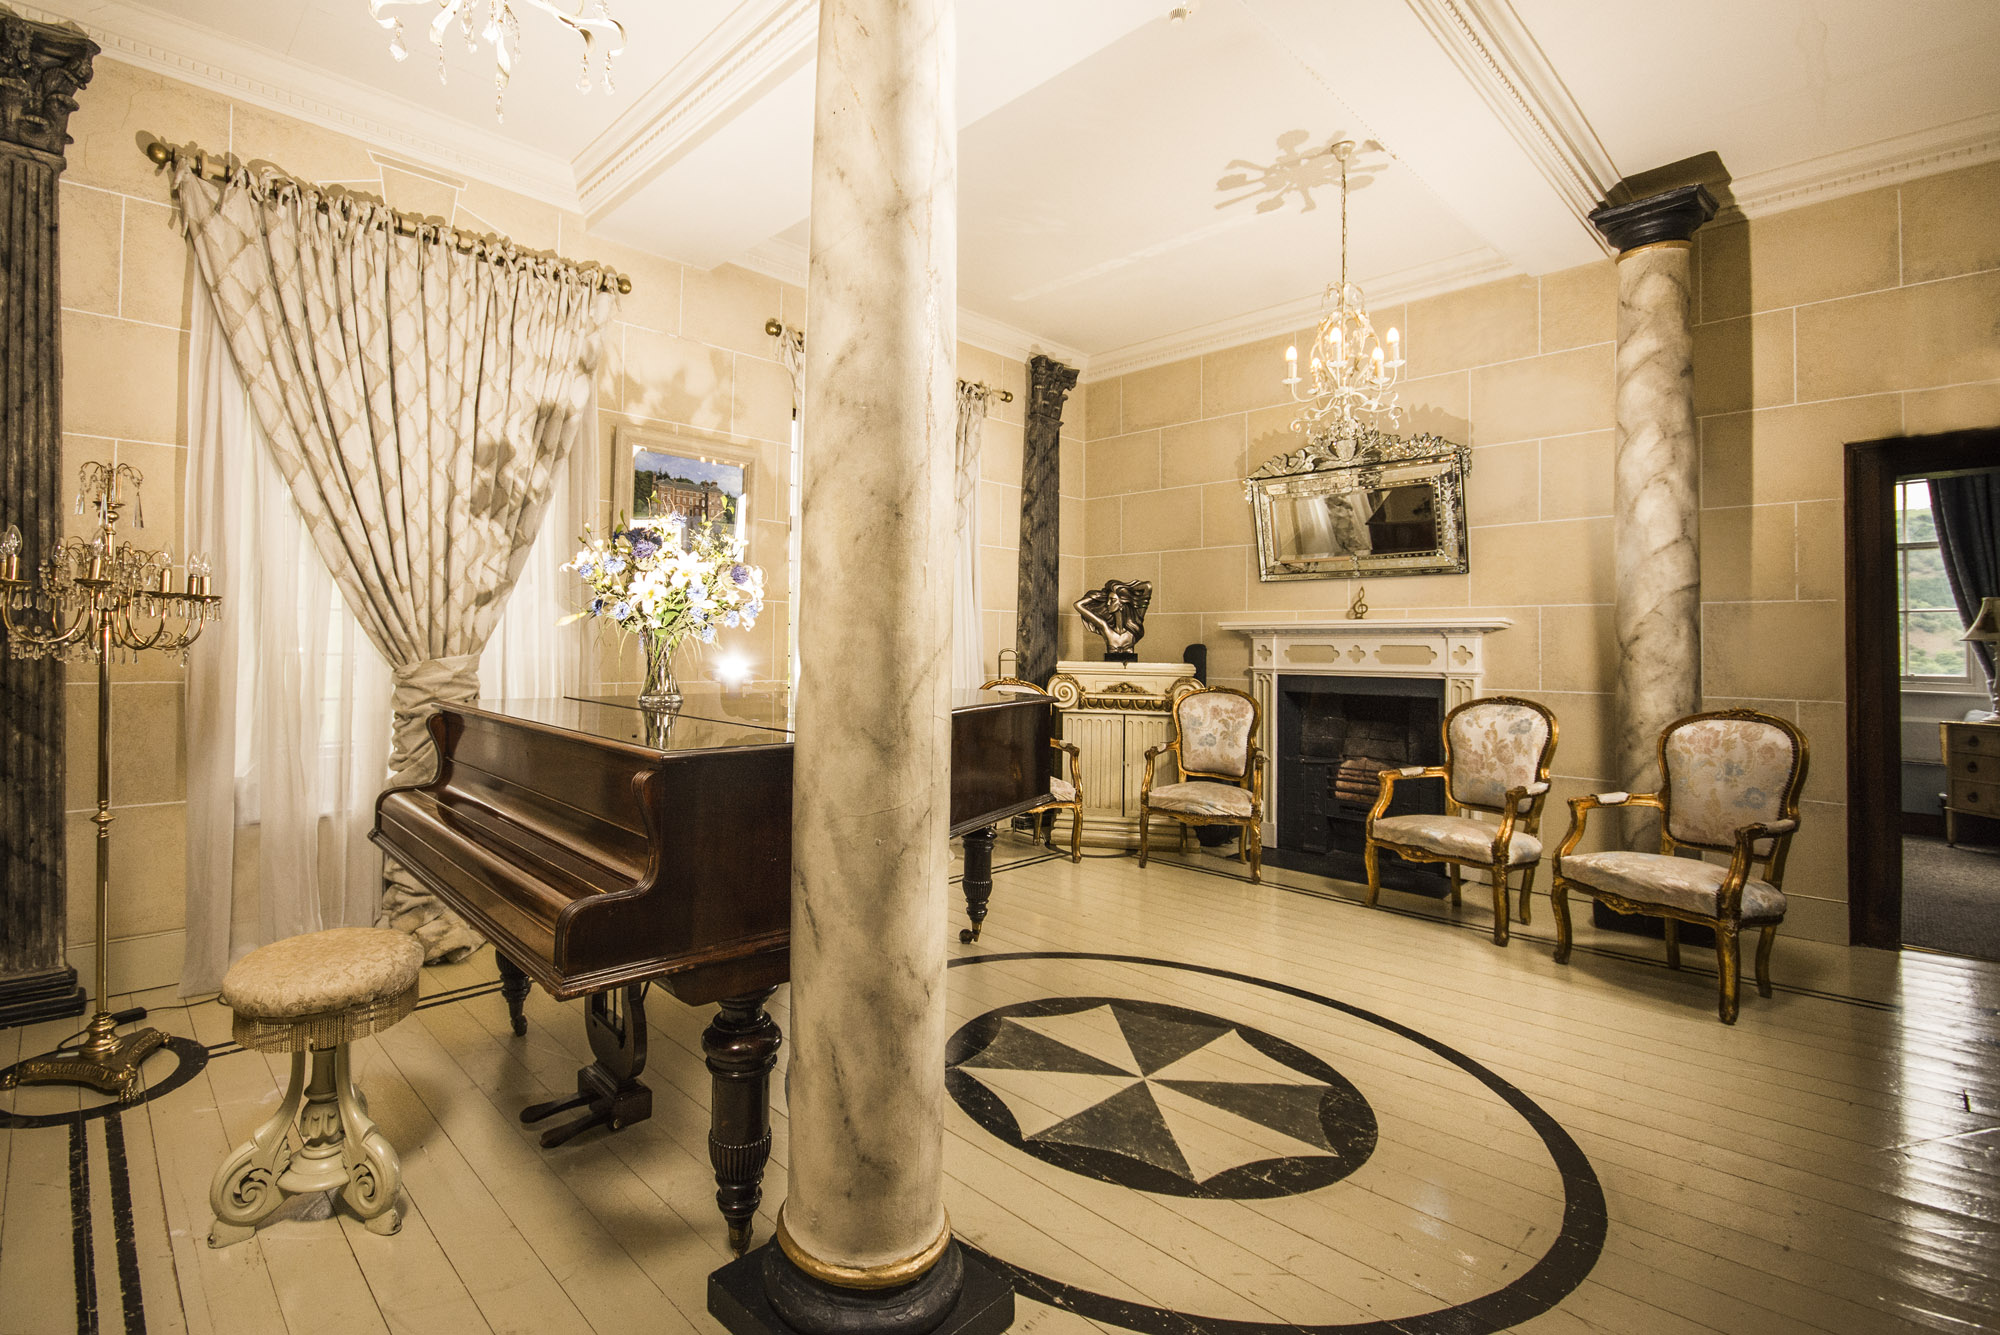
(167, 45)
(1965, 143)
(750, 52)
(1505, 66)
(789, 264)
(1478, 266)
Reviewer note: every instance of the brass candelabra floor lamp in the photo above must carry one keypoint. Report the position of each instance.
(89, 601)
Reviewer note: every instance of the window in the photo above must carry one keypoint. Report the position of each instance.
(1928, 622)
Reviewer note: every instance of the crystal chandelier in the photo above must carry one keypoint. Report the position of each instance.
(589, 20)
(1352, 371)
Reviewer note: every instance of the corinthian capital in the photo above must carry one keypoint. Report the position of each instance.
(42, 68)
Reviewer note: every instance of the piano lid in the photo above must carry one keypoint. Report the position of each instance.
(623, 721)
(767, 710)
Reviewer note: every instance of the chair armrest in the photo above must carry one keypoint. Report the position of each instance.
(1535, 789)
(1146, 784)
(1387, 781)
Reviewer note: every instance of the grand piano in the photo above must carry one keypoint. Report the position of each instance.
(602, 849)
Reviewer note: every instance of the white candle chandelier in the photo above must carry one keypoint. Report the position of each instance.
(1351, 370)
(589, 19)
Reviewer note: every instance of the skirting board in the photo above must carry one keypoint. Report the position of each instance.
(137, 962)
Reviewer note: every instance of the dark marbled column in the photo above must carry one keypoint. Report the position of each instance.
(42, 67)
(1656, 502)
(1039, 607)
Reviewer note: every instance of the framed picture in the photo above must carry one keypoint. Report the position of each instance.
(662, 474)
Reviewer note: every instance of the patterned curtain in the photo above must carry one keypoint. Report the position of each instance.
(968, 665)
(417, 400)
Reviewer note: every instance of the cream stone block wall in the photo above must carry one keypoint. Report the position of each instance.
(1845, 321)
(687, 351)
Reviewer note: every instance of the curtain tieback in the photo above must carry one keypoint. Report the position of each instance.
(419, 688)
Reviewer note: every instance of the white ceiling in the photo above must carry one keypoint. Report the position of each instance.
(1112, 164)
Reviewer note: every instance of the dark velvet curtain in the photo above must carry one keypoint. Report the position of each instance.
(1967, 510)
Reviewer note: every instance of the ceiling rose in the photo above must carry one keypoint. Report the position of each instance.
(591, 21)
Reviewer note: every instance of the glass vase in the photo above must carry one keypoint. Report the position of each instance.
(660, 692)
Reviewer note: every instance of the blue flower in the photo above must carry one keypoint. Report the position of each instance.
(620, 610)
(597, 606)
(732, 621)
(740, 573)
(613, 564)
(585, 569)
(644, 542)
(707, 634)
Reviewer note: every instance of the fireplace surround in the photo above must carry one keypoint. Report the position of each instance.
(1340, 700)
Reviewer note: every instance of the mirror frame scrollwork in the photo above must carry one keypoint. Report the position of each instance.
(1366, 460)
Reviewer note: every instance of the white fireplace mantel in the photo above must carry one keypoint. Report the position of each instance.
(1448, 647)
(1451, 648)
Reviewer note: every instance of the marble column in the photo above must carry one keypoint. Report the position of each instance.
(42, 68)
(1038, 609)
(862, 1241)
(1656, 531)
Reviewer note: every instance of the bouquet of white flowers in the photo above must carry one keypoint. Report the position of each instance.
(668, 584)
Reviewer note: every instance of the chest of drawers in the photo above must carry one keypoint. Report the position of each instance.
(1972, 772)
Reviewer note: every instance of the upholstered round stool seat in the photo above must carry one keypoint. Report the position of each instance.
(323, 988)
(315, 995)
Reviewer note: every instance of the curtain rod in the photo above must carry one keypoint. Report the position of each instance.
(210, 168)
(776, 329)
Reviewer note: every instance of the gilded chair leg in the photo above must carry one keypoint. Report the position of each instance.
(1502, 914)
(1456, 877)
(1076, 835)
(1559, 901)
(1255, 841)
(1145, 834)
(1371, 854)
(1673, 944)
(1184, 832)
(1726, 966)
(1527, 890)
(1765, 938)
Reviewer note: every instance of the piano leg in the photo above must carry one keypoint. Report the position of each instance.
(978, 882)
(513, 990)
(609, 1086)
(741, 1046)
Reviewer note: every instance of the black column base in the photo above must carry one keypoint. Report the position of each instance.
(44, 994)
(739, 1296)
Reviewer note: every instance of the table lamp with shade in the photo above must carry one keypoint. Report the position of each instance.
(1985, 629)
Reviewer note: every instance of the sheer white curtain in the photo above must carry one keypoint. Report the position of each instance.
(531, 656)
(288, 701)
(968, 661)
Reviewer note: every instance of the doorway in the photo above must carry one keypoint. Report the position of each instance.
(1907, 674)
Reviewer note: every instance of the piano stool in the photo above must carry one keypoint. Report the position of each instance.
(316, 993)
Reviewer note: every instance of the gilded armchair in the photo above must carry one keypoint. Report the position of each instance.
(1064, 794)
(1214, 748)
(1729, 783)
(1496, 760)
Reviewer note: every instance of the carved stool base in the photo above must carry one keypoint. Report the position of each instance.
(321, 1139)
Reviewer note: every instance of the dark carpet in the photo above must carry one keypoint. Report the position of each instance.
(1951, 897)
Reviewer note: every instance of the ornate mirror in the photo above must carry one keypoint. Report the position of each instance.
(1366, 504)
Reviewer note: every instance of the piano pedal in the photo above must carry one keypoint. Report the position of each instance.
(614, 1107)
(541, 1112)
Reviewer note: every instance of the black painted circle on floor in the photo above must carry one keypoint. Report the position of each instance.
(1299, 1123)
(1564, 1266)
(192, 1058)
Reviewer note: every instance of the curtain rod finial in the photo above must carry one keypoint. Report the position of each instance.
(160, 153)
(773, 328)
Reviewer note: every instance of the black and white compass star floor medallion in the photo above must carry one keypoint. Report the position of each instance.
(1159, 1098)
(1182, 1150)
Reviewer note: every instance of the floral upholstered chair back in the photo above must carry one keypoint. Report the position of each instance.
(1494, 745)
(1216, 729)
(1722, 771)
